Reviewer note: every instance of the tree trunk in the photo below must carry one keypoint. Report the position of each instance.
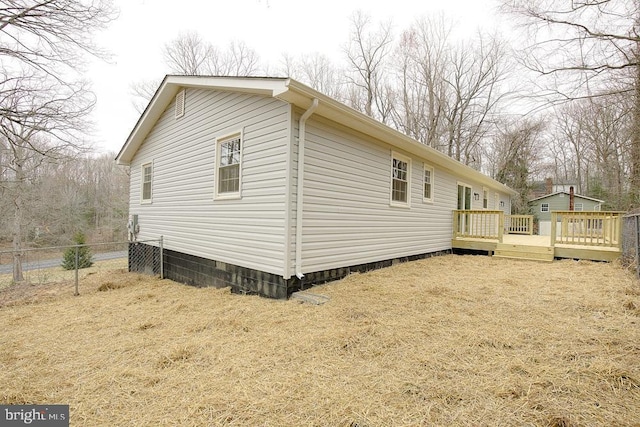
(17, 225)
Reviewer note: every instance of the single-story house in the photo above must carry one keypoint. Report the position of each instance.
(267, 185)
(541, 207)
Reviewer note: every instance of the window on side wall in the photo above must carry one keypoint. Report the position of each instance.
(578, 207)
(228, 166)
(485, 198)
(147, 177)
(400, 180)
(544, 207)
(428, 184)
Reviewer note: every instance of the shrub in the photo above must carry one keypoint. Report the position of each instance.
(85, 257)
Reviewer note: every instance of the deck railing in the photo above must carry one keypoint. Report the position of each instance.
(586, 228)
(518, 224)
(478, 224)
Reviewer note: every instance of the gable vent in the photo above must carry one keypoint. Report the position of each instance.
(180, 104)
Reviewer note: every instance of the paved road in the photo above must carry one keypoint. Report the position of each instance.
(48, 263)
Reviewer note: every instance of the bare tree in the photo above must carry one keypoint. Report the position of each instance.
(188, 54)
(516, 152)
(422, 58)
(321, 74)
(237, 60)
(448, 94)
(366, 53)
(43, 99)
(141, 93)
(583, 46)
(473, 95)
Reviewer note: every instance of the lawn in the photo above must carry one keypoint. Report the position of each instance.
(451, 340)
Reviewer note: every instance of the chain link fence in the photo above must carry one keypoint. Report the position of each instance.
(70, 265)
(631, 241)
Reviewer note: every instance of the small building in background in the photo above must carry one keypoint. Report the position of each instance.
(541, 207)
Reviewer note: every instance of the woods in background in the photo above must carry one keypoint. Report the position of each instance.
(63, 197)
(564, 106)
(563, 103)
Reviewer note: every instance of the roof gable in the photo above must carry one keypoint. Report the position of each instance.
(301, 96)
(578, 196)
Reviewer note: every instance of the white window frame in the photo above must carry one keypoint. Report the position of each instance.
(485, 198)
(575, 207)
(142, 182)
(407, 160)
(180, 103)
(430, 169)
(217, 194)
(542, 205)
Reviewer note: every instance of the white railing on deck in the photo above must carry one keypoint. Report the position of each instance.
(518, 224)
(478, 224)
(586, 228)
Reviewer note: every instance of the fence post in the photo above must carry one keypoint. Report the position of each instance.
(76, 293)
(162, 257)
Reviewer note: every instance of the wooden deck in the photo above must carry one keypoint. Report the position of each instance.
(496, 241)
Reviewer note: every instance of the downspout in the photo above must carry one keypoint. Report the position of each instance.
(300, 190)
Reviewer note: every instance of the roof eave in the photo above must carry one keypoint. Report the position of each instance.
(303, 96)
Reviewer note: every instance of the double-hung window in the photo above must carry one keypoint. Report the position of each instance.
(147, 177)
(544, 207)
(229, 166)
(400, 180)
(428, 184)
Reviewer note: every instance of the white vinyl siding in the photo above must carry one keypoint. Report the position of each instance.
(249, 231)
(348, 219)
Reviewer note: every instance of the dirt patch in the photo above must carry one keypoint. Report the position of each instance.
(454, 340)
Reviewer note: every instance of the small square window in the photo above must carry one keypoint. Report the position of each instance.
(578, 207)
(544, 207)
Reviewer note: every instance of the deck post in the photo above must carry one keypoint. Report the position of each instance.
(619, 231)
(554, 222)
(455, 224)
(500, 225)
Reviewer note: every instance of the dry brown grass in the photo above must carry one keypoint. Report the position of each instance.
(47, 283)
(453, 340)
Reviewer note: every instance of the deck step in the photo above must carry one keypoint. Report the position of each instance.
(532, 253)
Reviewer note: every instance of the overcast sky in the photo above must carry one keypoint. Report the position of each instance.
(270, 27)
